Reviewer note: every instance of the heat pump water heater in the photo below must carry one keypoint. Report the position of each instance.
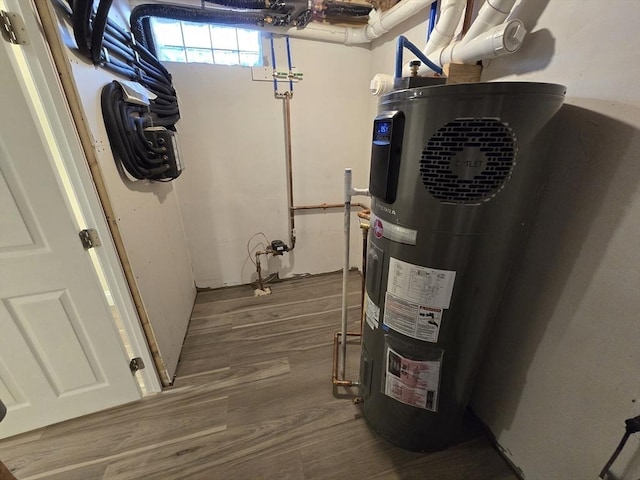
(456, 173)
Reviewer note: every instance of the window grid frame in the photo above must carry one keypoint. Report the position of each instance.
(211, 49)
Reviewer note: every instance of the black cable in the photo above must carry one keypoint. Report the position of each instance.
(343, 9)
(99, 26)
(80, 22)
(124, 124)
(632, 425)
(107, 44)
(248, 4)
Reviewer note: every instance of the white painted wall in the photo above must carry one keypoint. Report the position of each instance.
(234, 184)
(562, 371)
(561, 374)
(147, 214)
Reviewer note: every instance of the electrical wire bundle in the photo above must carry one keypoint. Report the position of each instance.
(108, 45)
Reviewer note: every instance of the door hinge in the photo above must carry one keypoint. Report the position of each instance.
(13, 28)
(89, 238)
(136, 364)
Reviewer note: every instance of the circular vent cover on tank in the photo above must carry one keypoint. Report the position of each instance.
(468, 160)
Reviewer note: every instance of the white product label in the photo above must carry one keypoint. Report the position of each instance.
(411, 319)
(420, 285)
(412, 382)
(372, 312)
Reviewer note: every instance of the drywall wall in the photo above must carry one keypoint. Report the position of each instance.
(147, 214)
(234, 184)
(561, 373)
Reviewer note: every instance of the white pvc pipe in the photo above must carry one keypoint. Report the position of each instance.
(501, 40)
(349, 192)
(380, 84)
(379, 24)
(491, 14)
(450, 14)
(345, 271)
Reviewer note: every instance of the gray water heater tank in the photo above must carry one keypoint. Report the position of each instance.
(456, 175)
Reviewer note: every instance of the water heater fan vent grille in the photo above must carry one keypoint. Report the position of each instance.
(468, 160)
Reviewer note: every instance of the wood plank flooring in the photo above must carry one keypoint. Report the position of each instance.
(252, 399)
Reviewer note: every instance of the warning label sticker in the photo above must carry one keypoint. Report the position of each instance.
(420, 285)
(412, 382)
(411, 319)
(372, 312)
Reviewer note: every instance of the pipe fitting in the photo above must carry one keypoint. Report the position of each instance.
(491, 14)
(501, 40)
(347, 185)
(450, 14)
(380, 84)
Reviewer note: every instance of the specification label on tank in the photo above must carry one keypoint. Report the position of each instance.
(420, 285)
(372, 312)
(411, 319)
(412, 382)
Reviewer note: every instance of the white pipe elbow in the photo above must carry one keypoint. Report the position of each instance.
(492, 13)
(501, 40)
(380, 84)
(450, 14)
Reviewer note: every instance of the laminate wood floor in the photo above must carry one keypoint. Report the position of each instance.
(252, 399)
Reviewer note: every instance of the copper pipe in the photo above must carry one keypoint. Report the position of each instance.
(334, 376)
(337, 335)
(365, 215)
(289, 155)
(325, 206)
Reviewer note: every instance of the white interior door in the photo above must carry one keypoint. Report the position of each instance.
(60, 352)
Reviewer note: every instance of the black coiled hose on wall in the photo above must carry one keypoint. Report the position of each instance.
(108, 45)
(126, 121)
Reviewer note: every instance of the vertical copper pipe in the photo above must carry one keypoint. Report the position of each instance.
(288, 154)
(334, 371)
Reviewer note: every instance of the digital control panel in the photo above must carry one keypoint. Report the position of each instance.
(382, 132)
(388, 130)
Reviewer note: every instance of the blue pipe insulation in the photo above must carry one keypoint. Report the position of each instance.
(432, 18)
(273, 64)
(289, 63)
(403, 43)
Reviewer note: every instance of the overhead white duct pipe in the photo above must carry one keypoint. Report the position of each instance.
(379, 24)
(492, 13)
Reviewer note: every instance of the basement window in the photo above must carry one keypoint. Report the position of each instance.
(190, 42)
